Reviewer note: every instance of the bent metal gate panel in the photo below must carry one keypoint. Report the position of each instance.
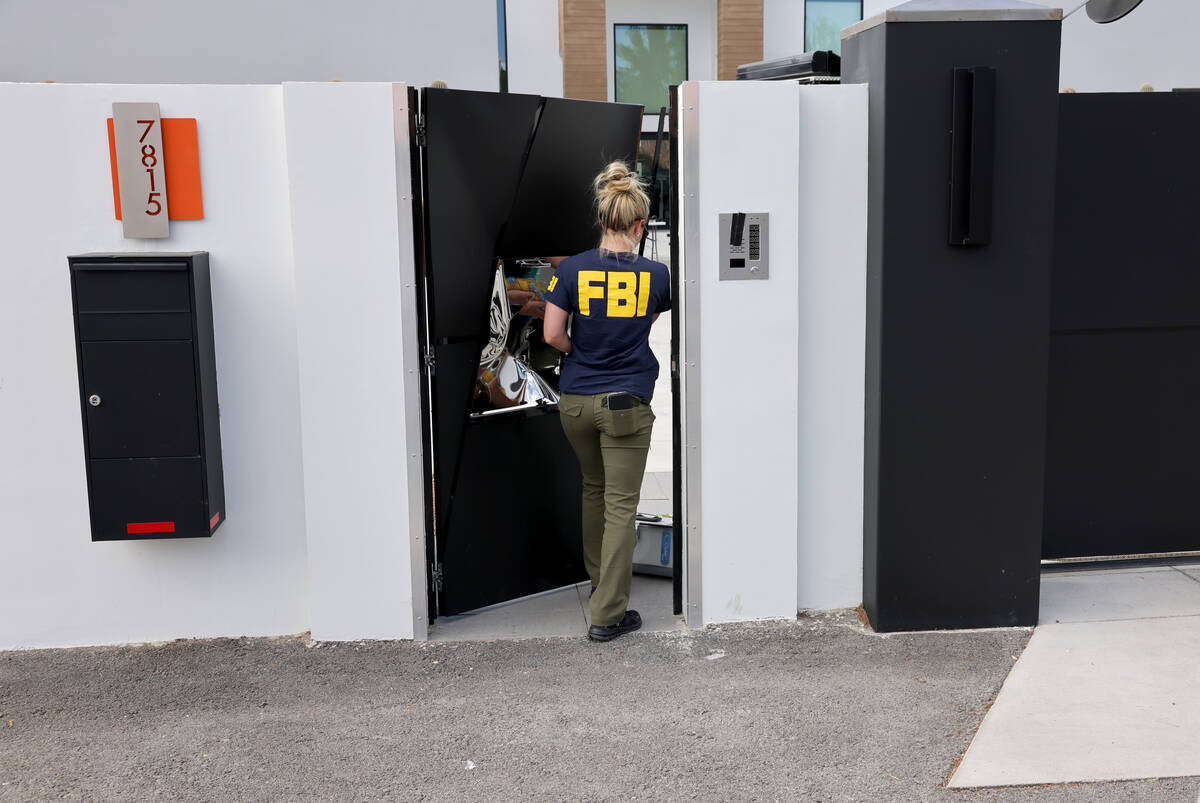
(506, 179)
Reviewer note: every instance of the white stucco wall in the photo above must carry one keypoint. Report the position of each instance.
(534, 59)
(323, 521)
(357, 339)
(873, 7)
(1155, 44)
(781, 361)
(749, 335)
(250, 578)
(250, 42)
(783, 28)
(455, 40)
(831, 371)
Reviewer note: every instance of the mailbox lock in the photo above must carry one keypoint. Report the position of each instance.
(94, 400)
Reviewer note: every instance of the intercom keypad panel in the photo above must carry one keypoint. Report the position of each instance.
(744, 246)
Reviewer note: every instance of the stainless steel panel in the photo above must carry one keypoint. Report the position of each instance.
(411, 349)
(743, 239)
(141, 171)
(688, 307)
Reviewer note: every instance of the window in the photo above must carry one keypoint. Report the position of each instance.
(647, 59)
(660, 212)
(824, 21)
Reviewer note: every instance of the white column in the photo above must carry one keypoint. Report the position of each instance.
(347, 153)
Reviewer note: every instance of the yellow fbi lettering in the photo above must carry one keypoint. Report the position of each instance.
(627, 293)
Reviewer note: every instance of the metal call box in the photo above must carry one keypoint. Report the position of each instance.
(744, 246)
(148, 392)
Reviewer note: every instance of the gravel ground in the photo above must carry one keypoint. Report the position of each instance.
(812, 710)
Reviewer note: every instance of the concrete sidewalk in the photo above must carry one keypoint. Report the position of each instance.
(811, 710)
(1105, 689)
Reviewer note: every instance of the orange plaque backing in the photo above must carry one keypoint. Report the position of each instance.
(181, 167)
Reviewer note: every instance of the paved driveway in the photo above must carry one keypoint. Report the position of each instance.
(811, 710)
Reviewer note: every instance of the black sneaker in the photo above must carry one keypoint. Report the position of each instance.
(630, 622)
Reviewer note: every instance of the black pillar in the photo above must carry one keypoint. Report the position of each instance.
(963, 125)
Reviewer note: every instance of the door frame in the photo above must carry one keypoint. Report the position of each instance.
(411, 182)
(411, 228)
(685, 320)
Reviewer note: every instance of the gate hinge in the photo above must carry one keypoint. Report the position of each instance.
(421, 132)
(430, 359)
(437, 577)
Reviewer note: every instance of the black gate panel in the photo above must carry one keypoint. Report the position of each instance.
(475, 148)
(1127, 222)
(1122, 431)
(504, 175)
(1122, 468)
(575, 139)
(475, 145)
(518, 530)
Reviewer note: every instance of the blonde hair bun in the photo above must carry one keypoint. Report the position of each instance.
(616, 177)
(621, 198)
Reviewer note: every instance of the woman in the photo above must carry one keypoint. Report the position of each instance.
(613, 296)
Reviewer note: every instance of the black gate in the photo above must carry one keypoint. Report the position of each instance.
(1123, 429)
(504, 175)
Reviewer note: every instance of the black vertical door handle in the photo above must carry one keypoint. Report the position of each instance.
(736, 228)
(972, 155)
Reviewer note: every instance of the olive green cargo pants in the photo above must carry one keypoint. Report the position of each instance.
(612, 448)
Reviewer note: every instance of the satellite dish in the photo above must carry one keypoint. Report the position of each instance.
(1107, 10)
(1110, 10)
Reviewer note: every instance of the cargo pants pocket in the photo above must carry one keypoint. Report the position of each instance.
(624, 422)
(570, 407)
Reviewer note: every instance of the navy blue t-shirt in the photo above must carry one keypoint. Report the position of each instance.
(613, 300)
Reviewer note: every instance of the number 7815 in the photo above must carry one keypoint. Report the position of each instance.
(150, 161)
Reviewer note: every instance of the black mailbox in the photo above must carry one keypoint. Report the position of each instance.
(148, 387)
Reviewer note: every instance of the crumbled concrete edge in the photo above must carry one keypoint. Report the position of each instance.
(856, 619)
(853, 619)
(149, 645)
